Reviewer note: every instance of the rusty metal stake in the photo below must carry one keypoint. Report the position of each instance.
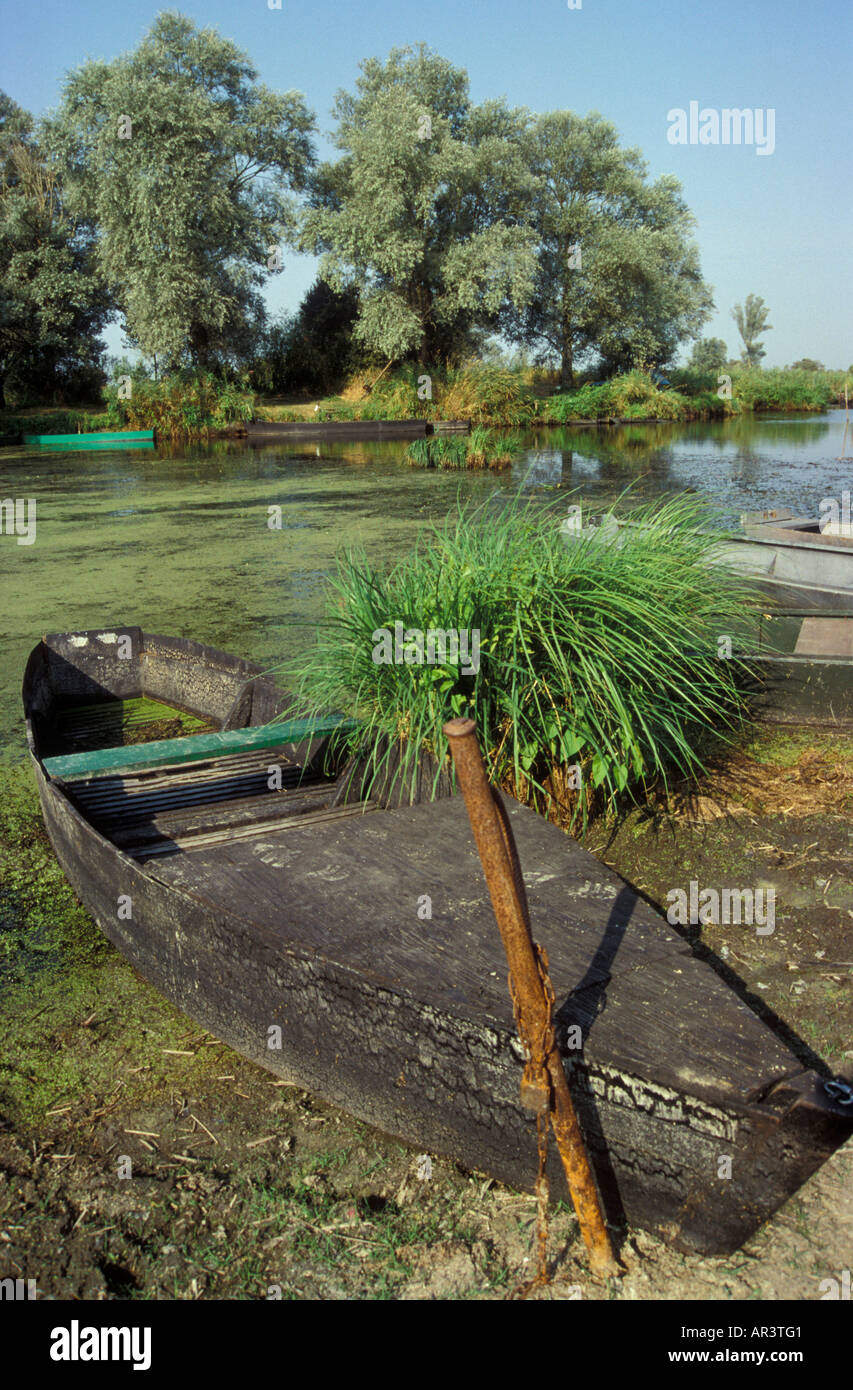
(544, 1085)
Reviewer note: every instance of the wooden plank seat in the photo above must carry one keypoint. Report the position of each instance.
(192, 748)
(221, 827)
(137, 795)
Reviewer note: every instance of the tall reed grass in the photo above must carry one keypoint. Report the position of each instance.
(593, 656)
(184, 406)
(483, 448)
(633, 396)
(508, 398)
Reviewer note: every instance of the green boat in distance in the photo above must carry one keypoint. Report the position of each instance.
(101, 439)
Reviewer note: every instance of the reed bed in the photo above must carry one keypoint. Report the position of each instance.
(599, 669)
(186, 406)
(483, 448)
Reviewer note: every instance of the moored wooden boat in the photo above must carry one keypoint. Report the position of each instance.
(275, 431)
(101, 439)
(266, 894)
(790, 559)
(796, 562)
(804, 659)
(806, 667)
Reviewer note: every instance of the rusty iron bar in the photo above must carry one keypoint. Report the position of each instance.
(544, 1085)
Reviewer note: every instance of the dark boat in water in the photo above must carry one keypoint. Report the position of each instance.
(259, 893)
(803, 653)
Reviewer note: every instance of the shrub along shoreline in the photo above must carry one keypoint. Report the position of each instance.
(195, 406)
(521, 398)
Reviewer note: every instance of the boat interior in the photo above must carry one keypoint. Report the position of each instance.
(140, 764)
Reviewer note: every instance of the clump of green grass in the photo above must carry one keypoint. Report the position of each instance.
(486, 395)
(593, 656)
(419, 454)
(483, 448)
(479, 445)
(488, 449)
(395, 397)
(451, 452)
(634, 396)
(590, 402)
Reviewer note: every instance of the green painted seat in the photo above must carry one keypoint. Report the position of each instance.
(193, 747)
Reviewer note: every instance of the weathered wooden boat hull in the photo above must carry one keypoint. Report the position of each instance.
(801, 565)
(796, 566)
(272, 432)
(403, 1019)
(804, 691)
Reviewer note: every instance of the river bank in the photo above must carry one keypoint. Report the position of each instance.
(480, 394)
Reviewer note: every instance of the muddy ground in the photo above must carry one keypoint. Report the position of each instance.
(140, 1158)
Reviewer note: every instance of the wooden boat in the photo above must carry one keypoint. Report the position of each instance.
(804, 655)
(360, 927)
(273, 432)
(102, 439)
(794, 562)
(804, 658)
(797, 563)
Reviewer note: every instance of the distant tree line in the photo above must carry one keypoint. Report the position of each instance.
(167, 185)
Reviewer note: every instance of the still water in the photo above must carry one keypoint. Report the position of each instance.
(179, 542)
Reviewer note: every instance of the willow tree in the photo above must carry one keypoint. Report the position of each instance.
(187, 165)
(52, 305)
(424, 211)
(617, 273)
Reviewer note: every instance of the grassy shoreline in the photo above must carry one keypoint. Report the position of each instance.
(492, 398)
(503, 398)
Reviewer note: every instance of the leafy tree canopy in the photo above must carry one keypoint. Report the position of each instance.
(313, 349)
(709, 355)
(425, 210)
(185, 162)
(52, 306)
(617, 273)
(751, 319)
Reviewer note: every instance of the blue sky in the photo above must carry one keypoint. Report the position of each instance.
(775, 225)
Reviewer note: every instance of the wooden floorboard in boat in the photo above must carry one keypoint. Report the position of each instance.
(350, 892)
(215, 814)
(227, 831)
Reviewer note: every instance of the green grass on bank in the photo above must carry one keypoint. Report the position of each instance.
(492, 397)
(182, 407)
(506, 398)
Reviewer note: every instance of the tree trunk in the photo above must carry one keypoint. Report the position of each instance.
(567, 372)
(567, 375)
